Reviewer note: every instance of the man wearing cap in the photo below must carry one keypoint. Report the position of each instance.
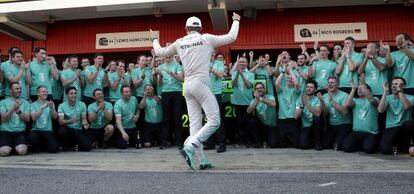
(195, 50)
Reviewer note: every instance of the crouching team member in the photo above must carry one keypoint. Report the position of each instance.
(72, 117)
(100, 114)
(265, 107)
(151, 104)
(398, 124)
(126, 115)
(365, 121)
(308, 109)
(42, 112)
(14, 115)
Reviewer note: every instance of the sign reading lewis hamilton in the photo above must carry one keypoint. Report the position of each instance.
(330, 32)
(124, 40)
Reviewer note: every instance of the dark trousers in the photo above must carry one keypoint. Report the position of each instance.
(356, 141)
(312, 134)
(257, 128)
(220, 135)
(241, 123)
(172, 107)
(133, 138)
(288, 132)
(335, 134)
(69, 136)
(43, 139)
(396, 136)
(141, 120)
(153, 131)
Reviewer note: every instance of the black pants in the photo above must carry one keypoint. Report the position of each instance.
(220, 135)
(153, 131)
(241, 123)
(33, 98)
(43, 139)
(257, 128)
(133, 138)
(172, 107)
(141, 120)
(356, 141)
(335, 134)
(88, 100)
(312, 134)
(69, 137)
(396, 136)
(96, 135)
(288, 132)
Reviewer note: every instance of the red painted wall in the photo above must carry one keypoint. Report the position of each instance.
(270, 30)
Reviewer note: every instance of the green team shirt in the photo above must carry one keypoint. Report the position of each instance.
(335, 117)
(2, 85)
(137, 74)
(10, 70)
(365, 116)
(57, 88)
(215, 81)
(283, 83)
(374, 77)
(286, 98)
(346, 75)
(69, 112)
(302, 82)
(396, 115)
(115, 95)
(169, 83)
(44, 121)
(307, 116)
(153, 111)
(126, 110)
(40, 73)
(15, 123)
(69, 74)
(100, 121)
(265, 113)
(261, 73)
(241, 94)
(324, 69)
(97, 83)
(404, 67)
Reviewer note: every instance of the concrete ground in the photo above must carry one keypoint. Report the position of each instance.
(239, 170)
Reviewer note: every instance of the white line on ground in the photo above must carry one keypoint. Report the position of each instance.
(327, 184)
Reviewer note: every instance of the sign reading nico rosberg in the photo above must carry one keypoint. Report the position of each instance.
(124, 40)
(330, 32)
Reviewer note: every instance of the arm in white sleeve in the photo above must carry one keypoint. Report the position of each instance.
(164, 51)
(225, 39)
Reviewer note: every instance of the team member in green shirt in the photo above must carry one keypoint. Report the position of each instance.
(96, 77)
(170, 78)
(40, 72)
(42, 112)
(287, 94)
(126, 115)
(151, 104)
(309, 111)
(364, 123)
(402, 61)
(399, 107)
(323, 68)
(71, 77)
(264, 105)
(340, 120)
(73, 122)
(3, 86)
(348, 65)
(100, 114)
(17, 71)
(116, 81)
(216, 76)
(14, 113)
(242, 80)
